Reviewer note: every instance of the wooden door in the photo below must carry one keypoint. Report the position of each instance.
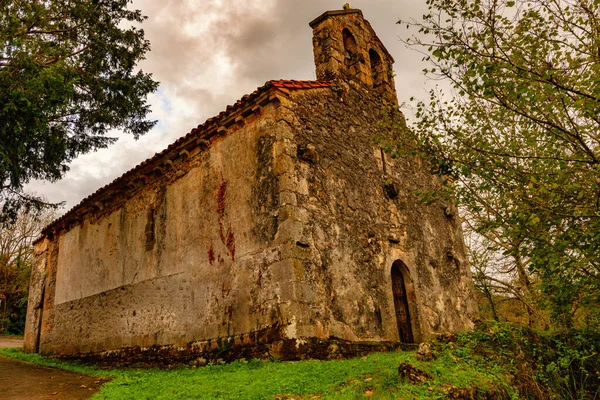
(401, 305)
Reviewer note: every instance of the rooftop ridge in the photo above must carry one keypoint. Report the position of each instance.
(330, 13)
(201, 132)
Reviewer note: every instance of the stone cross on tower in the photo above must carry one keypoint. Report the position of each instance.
(346, 46)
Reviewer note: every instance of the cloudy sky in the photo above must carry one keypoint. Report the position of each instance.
(207, 54)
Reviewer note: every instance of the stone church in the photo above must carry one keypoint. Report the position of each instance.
(277, 228)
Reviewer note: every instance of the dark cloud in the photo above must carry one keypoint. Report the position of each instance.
(209, 53)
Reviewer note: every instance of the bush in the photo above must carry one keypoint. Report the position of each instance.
(560, 364)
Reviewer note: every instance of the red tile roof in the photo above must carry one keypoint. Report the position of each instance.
(299, 84)
(245, 100)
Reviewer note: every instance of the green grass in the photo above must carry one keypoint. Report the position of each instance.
(375, 375)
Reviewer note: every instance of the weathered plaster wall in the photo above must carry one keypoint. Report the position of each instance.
(189, 257)
(351, 231)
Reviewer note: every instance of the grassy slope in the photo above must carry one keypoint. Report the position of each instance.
(375, 376)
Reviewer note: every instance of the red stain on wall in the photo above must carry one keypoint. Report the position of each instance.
(211, 255)
(229, 239)
(221, 199)
(230, 244)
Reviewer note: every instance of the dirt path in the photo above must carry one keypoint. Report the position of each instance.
(24, 381)
(10, 342)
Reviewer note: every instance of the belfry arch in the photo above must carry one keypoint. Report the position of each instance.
(350, 48)
(376, 67)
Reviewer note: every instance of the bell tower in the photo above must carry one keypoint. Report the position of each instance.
(346, 46)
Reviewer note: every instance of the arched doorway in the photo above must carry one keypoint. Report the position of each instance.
(401, 302)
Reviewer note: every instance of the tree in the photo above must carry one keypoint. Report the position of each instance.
(67, 76)
(16, 260)
(499, 273)
(518, 137)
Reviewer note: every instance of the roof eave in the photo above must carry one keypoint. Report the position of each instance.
(126, 183)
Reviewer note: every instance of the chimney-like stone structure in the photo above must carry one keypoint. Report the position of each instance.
(346, 46)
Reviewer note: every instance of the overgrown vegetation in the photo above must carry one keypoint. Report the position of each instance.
(68, 75)
(497, 360)
(543, 365)
(16, 260)
(516, 140)
(515, 143)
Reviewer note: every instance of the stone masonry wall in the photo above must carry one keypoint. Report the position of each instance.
(350, 230)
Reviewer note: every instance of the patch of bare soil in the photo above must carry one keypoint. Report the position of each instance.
(24, 381)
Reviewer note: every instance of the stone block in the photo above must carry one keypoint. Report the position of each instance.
(289, 231)
(288, 198)
(296, 291)
(288, 181)
(283, 164)
(287, 270)
(306, 330)
(293, 310)
(303, 186)
(284, 146)
(289, 212)
(293, 250)
(292, 182)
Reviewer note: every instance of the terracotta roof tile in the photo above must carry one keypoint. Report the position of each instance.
(287, 84)
(290, 84)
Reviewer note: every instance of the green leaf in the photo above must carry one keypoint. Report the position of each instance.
(61, 92)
